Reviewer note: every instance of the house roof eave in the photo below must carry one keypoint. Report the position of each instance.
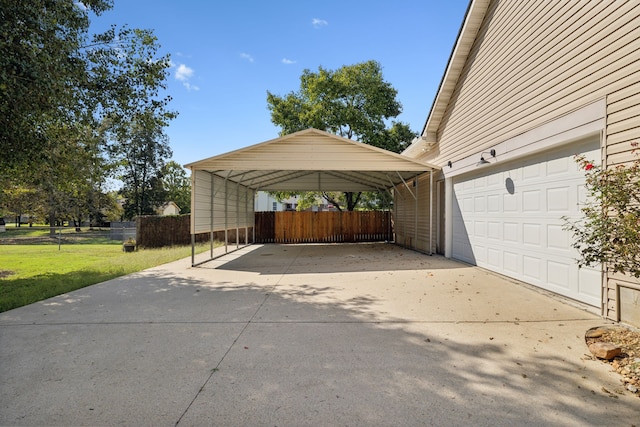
(471, 23)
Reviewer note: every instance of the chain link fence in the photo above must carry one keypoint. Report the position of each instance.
(123, 230)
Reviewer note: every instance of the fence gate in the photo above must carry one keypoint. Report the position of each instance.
(323, 227)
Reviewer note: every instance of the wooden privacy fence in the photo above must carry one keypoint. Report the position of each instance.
(158, 231)
(323, 227)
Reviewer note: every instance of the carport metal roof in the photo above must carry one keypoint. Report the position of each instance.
(313, 160)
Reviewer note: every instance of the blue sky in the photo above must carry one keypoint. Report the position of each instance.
(228, 54)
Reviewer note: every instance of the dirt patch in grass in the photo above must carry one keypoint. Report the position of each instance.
(5, 273)
(65, 239)
(28, 240)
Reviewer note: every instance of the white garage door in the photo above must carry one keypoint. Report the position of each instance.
(508, 218)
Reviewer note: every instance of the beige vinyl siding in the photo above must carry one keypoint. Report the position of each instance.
(405, 216)
(623, 124)
(623, 129)
(534, 61)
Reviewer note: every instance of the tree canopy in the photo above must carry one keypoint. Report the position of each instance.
(76, 108)
(178, 186)
(354, 102)
(43, 73)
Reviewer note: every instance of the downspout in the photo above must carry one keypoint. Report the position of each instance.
(246, 215)
(238, 213)
(415, 219)
(212, 207)
(604, 275)
(431, 212)
(226, 213)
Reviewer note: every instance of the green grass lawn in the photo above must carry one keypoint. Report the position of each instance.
(33, 272)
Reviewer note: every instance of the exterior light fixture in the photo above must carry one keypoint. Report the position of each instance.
(450, 164)
(483, 161)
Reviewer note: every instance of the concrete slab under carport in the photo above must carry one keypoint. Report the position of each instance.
(365, 334)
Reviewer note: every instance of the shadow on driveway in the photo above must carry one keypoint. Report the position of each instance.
(386, 337)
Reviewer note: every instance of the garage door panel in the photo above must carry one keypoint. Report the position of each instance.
(494, 258)
(494, 231)
(531, 172)
(510, 203)
(586, 276)
(532, 268)
(464, 252)
(511, 232)
(532, 235)
(508, 218)
(493, 203)
(467, 205)
(559, 240)
(531, 201)
(511, 263)
(558, 199)
(559, 166)
(559, 274)
(480, 253)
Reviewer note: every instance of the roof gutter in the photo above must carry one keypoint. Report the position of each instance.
(446, 73)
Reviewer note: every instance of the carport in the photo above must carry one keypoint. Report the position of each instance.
(223, 187)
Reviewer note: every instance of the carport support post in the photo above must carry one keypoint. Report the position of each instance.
(246, 216)
(212, 206)
(226, 216)
(193, 249)
(238, 214)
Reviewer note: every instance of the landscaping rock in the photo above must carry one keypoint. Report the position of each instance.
(604, 350)
(594, 333)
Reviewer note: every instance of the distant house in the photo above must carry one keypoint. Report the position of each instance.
(169, 208)
(266, 202)
(528, 86)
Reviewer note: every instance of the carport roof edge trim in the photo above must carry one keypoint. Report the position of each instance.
(409, 164)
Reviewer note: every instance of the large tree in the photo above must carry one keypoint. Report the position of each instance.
(43, 75)
(177, 184)
(354, 102)
(134, 114)
(67, 96)
(141, 151)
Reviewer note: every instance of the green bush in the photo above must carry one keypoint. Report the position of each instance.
(609, 232)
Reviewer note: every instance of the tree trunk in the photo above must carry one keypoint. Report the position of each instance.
(52, 223)
(351, 200)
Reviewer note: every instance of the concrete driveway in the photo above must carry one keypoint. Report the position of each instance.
(366, 334)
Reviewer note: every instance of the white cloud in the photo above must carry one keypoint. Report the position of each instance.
(183, 73)
(319, 23)
(288, 61)
(190, 87)
(247, 57)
